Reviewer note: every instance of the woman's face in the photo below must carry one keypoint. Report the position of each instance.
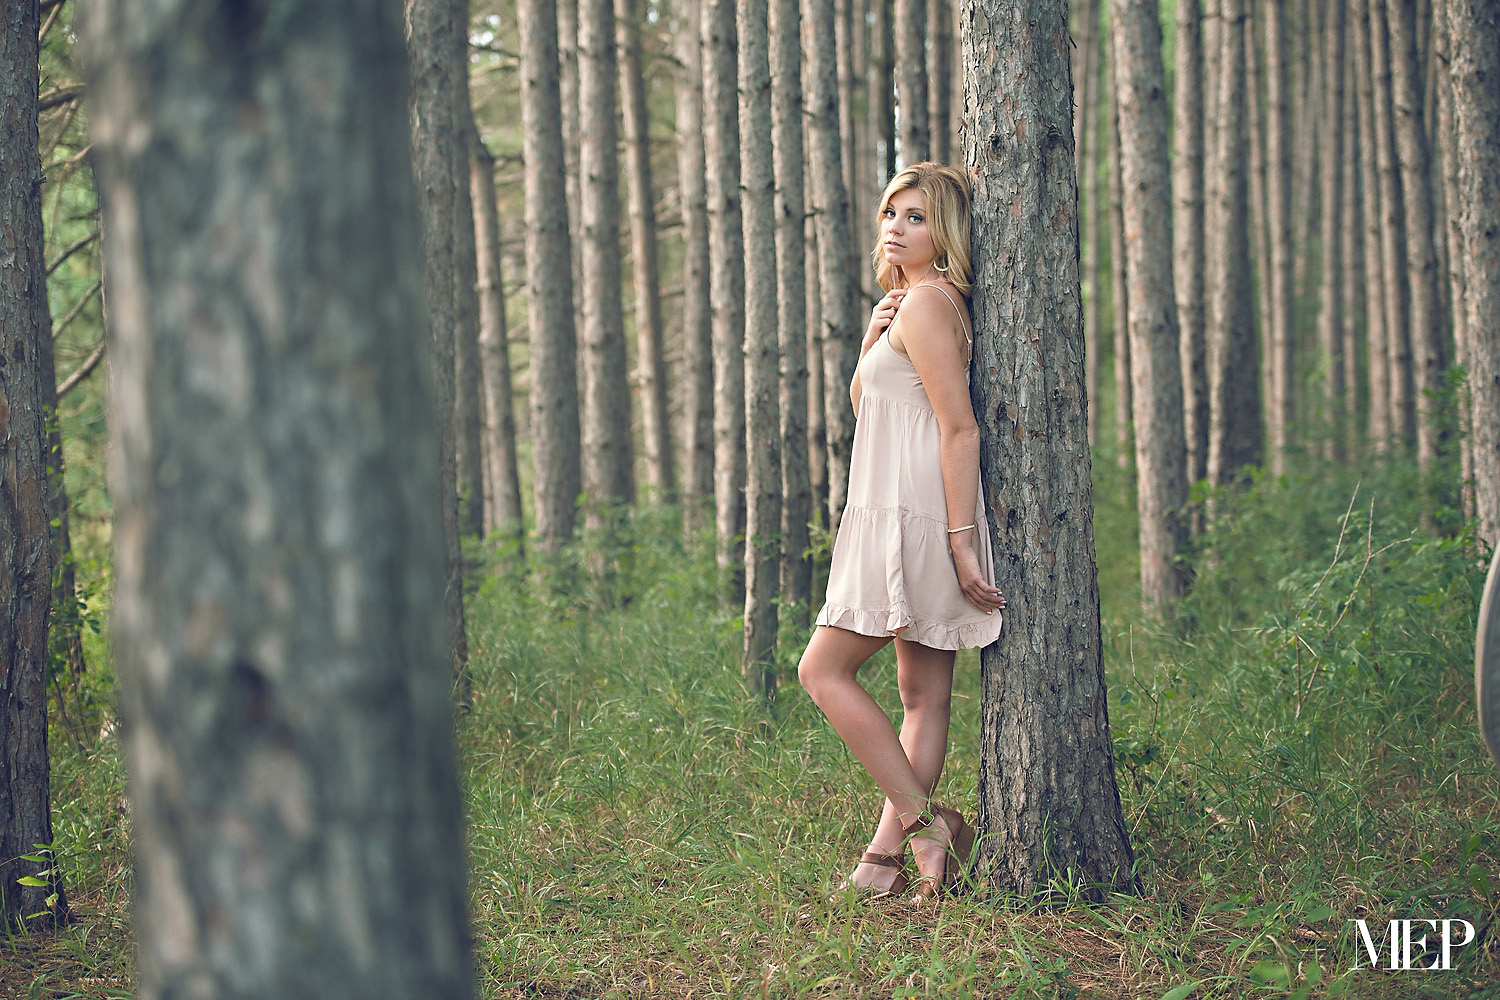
(904, 234)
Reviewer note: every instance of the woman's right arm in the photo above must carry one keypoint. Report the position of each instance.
(880, 318)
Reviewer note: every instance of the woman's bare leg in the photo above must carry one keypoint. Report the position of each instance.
(828, 670)
(925, 678)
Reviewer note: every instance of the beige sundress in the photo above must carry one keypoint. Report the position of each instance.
(892, 572)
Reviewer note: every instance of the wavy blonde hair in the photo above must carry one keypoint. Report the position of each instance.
(946, 191)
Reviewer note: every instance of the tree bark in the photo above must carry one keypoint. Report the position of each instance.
(1428, 325)
(26, 584)
(468, 399)
(437, 42)
(567, 53)
(817, 414)
(502, 475)
(557, 476)
(791, 307)
(1331, 292)
(1447, 148)
(1234, 399)
(1188, 235)
(882, 94)
(1085, 128)
(762, 412)
(1352, 252)
(697, 330)
(721, 138)
(1393, 236)
(651, 366)
(1475, 71)
(836, 254)
(278, 615)
(1120, 297)
(911, 80)
(1376, 350)
(1160, 452)
(1260, 241)
(1280, 337)
(1049, 807)
(608, 469)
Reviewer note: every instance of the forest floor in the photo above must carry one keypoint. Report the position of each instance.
(1297, 750)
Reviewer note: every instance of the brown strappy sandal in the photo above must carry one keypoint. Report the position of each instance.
(960, 845)
(896, 888)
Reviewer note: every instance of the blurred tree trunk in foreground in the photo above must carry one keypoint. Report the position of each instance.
(279, 625)
(1049, 807)
(25, 542)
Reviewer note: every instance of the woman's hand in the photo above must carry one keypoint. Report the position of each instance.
(882, 315)
(980, 592)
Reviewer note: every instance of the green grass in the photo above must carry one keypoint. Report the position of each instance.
(1296, 749)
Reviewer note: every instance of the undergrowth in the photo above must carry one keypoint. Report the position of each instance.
(1296, 749)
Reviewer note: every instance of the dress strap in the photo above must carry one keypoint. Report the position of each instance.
(961, 321)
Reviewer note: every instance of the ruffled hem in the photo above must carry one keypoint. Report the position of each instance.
(897, 621)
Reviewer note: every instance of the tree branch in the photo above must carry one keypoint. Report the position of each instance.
(62, 324)
(71, 250)
(62, 95)
(84, 370)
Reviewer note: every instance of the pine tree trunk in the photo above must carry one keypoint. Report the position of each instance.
(817, 413)
(651, 365)
(1444, 46)
(843, 27)
(721, 137)
(468, 397)
(940, 69)
(1049, 807)
(437, 41)
(26, 583)
(791, 306)
(1307, 137)
(567, 52)
(911, 80)
(1085, 60)
(1376, 342)
(836, 249)
(697, 329)
(1260, 241)
(503, 514)
(1331, 292)
(1124, 450)
(1280, 337)
(557, 476)
(762, 412)
(1393, 233)
(1428, 325)
(1352, 252)
(882, 93)
(279, 627)
(1475, 71)
(1160, 452)
(1188, 235)
(1234, 396)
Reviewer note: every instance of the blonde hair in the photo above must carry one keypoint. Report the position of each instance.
(946, 191)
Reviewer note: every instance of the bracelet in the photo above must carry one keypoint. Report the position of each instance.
(954, 531)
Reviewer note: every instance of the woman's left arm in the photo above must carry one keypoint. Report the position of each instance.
(931, 337)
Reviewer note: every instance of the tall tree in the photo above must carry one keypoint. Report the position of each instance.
(1428, 325)
(25, 543)
(502, 474)
(1120, 289)
(278, 614)
(940, 70)
(468, 398)
(1280, 338)
(1351, 252)
(836, 255)
(437, 48)
(1475, 71)
(882, 90)
(1392, 235)
(557, 476)
(762, 411)
(1160, 452)
(1376, 353)
(1085, 121)
(791, 307)
(697, 331)
(567, 55)
(911, 80)
(1187, 232)
(817, 413)
(721, 137)
(1446, 149)
(1331, 292)
(608, 471)
(1048, 803)
(1234, 439)
(651, 363)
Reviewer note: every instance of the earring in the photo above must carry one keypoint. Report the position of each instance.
(942, 268)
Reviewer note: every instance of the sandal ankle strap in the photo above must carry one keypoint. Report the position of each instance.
(882, 860)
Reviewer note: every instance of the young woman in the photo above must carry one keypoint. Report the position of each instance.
(912, 560)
